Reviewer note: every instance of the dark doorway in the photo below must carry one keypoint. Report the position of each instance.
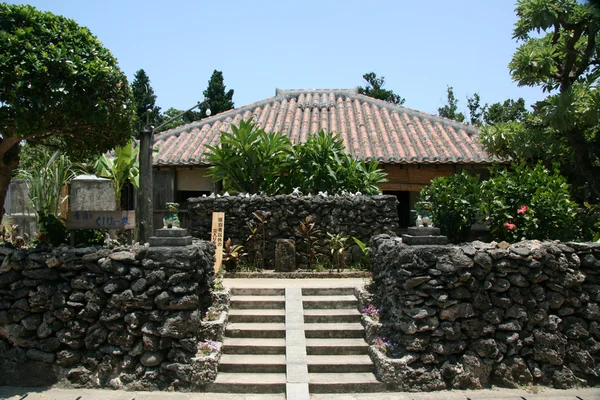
(403, 207)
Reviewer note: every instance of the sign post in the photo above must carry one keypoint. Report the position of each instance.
(218, 228)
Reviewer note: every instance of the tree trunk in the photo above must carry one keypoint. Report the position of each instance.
(5, 177)
(587, 171)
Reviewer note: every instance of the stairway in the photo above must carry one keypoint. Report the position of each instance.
(336, 351)
(300, 341)
(253, 359)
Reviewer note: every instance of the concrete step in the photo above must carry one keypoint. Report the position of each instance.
(260, 315)
(257, 302)
(255, 330)
(253, 346)
(255, 363)
(336, 346)
(341, 330)
(227, 382)
(344, 383)
(340, 363)
(332, 315)
(336, 302)
(343, 291)
(257, 292)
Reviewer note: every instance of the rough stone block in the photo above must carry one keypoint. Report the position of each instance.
(424, 240)
(285, 255)
(170, 241)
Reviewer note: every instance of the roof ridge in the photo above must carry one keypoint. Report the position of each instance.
(288, 94)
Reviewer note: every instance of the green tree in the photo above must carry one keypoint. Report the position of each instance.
(146, 111)
(249, 159)
(450, 110)
(121, 168)
(375, 89)
(509, 110)
(476, 110)
(58, 86)
(216, 97)
(562, 58)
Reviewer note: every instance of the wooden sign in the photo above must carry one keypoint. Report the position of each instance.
(218, 229)
(101, 219)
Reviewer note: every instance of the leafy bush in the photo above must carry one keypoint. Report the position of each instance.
(54, 228)
(454, 204)
(533, 203)
(251, 160)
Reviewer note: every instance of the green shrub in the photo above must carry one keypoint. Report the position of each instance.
(455, 204)
(530, 203)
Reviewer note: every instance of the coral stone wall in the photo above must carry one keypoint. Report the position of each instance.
(481, 314)
(121, 318)
(359, 216)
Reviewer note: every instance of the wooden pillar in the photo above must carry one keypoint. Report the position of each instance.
(144, 204)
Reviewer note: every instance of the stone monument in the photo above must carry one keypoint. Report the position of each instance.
(171, 234)
(424, 233)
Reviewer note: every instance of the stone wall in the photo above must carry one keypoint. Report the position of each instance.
(480, 314)
(93, 317)
(359, 216)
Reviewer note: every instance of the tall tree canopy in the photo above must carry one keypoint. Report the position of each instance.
(146, 110)
(216, 98)
(58, 86)
(450, 109)
(559, 53)
(375, 89)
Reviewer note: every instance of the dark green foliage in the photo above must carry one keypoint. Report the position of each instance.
(146, 111)
(375, 89)
(89, 237)
(509, 110)
(531, 203)
(450, 110)
(253, 161)
(455, 204)
(54, 229)
(249, 159)
(59, 86)
(321, 165)
(476, 111)
(559, 54)
(215, 96)
(232, 255)
(172, 113)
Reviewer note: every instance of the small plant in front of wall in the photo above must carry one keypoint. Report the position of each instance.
(385, 346)
(218, 282)
(207, 347)
(257, 240)
(337, 249)
(214, 312)
(232, 254)
(365, 260)
(372, 312)
(310, 236)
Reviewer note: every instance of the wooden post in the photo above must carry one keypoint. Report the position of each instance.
(218, 228)
(145, 193)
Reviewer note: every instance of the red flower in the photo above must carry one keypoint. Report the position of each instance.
(510, 225)
(522, 210)
(42, 236)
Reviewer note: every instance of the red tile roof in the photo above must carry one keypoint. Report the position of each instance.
(371, 129)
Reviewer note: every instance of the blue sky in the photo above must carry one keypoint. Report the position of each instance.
(420, 47)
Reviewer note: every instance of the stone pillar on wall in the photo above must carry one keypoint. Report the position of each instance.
(91, 193)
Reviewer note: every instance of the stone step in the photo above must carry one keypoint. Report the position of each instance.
(344, 383)
(341, 330)
(257, 302)
(253, 346)
(260, 315)
(336, 346)
(228, 382)
(255, 363)
(257, 292)
(321, 302)
(343, 291)
(331, 315)
(340, 363)
(255, 330)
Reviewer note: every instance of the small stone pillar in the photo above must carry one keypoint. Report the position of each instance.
(285, 255)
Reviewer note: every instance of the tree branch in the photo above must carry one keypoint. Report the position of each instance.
(587, 54)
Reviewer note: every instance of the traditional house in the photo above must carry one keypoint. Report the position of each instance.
(413, 147)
